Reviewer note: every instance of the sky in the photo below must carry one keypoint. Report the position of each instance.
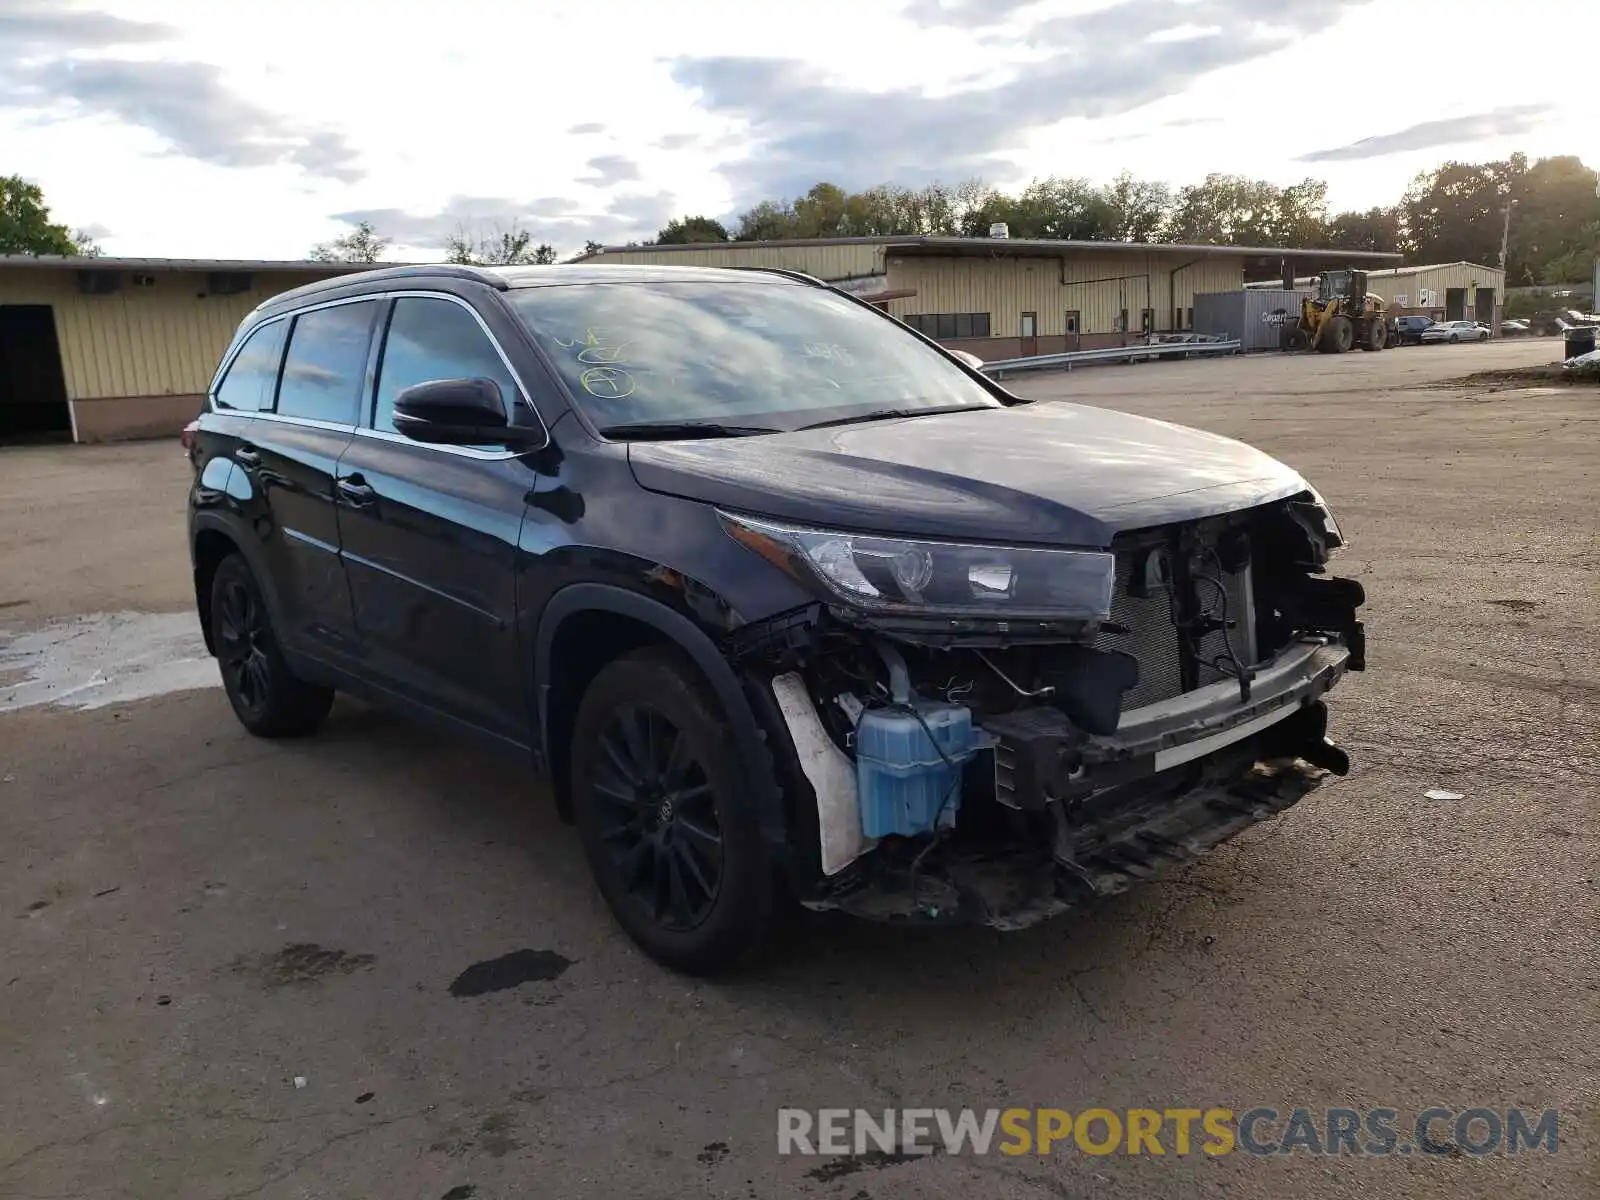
(218, 128)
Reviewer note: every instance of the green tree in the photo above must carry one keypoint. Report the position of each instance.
(512, 247)
(1552, 226)
(361, 244)
(685, 231)
(768, 221)
(1375, 229)
(1136, 210)
(25, 225)
(1455, 212)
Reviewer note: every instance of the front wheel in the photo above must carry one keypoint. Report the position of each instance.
(269, 699)
(1483, 337)
(665, 815)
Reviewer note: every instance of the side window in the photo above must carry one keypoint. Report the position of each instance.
(434, 339)
(327, 363)
(251, 377)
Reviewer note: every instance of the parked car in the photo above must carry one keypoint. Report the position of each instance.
(786, 602)
(1408, 330)
(1456, 331)
(1513, 328)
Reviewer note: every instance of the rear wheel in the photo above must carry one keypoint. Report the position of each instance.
(1455, 338)
(1376, 336)
(664, 812)
(268, 698)
(1338, 335)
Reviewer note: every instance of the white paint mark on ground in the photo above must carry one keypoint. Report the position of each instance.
(104, 658)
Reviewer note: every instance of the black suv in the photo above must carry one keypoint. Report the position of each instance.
(788, 603)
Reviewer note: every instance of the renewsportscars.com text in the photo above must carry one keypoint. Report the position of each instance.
(1260, 1130)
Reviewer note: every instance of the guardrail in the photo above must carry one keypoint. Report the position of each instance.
(1072, 358)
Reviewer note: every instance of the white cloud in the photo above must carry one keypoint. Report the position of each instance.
(242, 130)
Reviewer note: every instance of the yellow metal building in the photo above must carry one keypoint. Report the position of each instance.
(1004, 297)
(1459, 291)
(98, 349)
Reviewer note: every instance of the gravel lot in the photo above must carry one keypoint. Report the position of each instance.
(226, 965)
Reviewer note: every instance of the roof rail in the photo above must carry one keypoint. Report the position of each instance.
(800, 276)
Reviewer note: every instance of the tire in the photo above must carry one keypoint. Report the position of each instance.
(662, 807)
(1295, 339)
(269, 700)
(1483, 337)
(1454, 338)
(1376, 336)
(1338, 336)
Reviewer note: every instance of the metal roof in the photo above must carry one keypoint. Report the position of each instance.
(964, 245)
(104, 263)
(1433, 267)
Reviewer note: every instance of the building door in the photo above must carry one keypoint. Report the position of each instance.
(1074, 327)
(1030, 334)
(1455, 304)
(33, 391)
(1484, 302)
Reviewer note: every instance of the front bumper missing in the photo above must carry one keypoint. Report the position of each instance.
(1015, 885)
(1177, 780)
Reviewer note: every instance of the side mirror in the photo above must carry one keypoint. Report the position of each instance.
(972, 360)
(458, 412)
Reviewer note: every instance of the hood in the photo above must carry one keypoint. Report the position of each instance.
(1044, 473)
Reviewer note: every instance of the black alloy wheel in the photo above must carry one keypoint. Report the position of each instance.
(242, 634)
(666, 800)
(267, 697)
(657, 817)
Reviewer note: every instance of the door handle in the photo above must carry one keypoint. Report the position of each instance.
(247, 455)
(354, 491)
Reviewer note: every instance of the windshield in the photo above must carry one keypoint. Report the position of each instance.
(754, 354)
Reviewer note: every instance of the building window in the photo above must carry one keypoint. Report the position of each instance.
(1177, 318)
(1147, 320)
(947, 326)
(1074, 319)
(1122, 320)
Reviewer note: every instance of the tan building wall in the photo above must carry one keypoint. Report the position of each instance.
(1098, 287)
(1410, 282)
(136, 362)
(825, 261)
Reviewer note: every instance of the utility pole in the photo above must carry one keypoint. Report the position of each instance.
(1505, 233)
(1505, 240)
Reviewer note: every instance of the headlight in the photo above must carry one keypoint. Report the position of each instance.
(905, 575)
(1330, 527)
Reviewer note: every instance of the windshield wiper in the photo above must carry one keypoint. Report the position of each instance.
(668, 430)
(885, 414)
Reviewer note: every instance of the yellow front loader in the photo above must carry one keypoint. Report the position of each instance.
(1342, 315)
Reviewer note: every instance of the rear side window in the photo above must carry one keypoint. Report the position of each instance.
(251, 377)
(326, 363)
(435, 339)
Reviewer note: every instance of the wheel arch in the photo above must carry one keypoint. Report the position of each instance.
(583, 627)
(212, 539)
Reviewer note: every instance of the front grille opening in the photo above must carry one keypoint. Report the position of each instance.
(1152, 636)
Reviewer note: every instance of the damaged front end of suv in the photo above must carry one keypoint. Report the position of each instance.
(993, 734)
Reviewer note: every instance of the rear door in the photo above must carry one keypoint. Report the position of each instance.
(290, 448)
(429, 533)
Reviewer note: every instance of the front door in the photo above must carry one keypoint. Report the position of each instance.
(1030, 334)
(429, 533)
